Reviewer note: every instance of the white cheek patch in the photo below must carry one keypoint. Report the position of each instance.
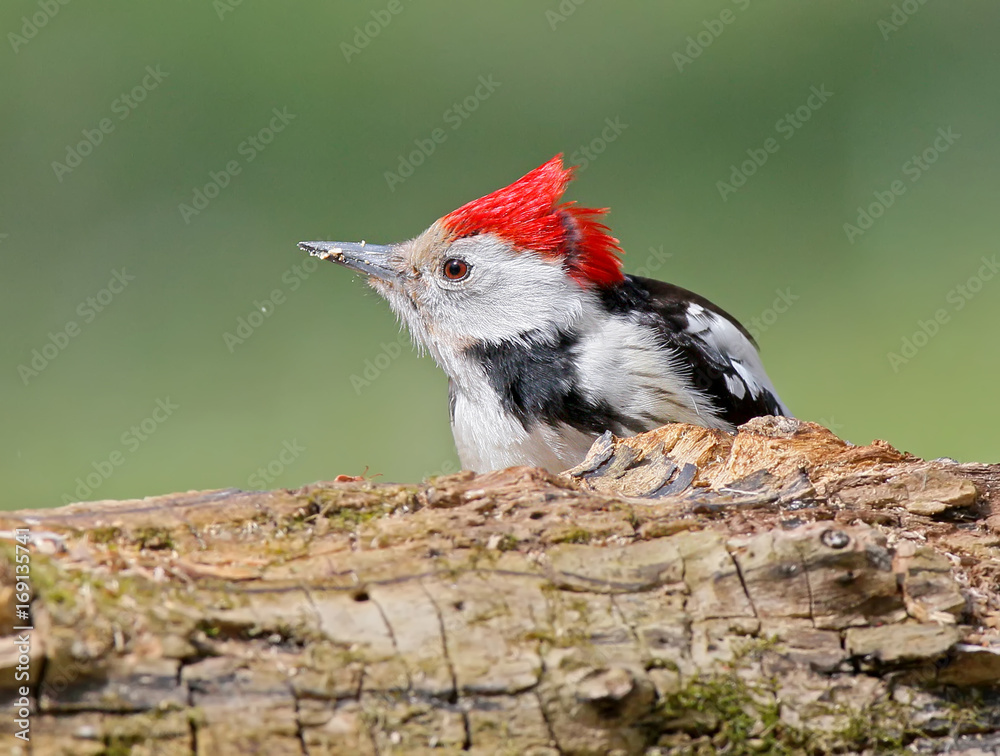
(508, 293)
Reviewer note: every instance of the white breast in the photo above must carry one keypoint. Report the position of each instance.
(489, 438)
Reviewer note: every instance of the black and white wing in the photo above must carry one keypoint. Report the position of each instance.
(717, 353)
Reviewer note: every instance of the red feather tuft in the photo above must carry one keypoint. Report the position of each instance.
(527, 215)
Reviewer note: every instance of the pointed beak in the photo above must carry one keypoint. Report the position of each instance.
(371, 259)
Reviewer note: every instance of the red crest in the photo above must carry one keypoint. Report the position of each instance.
(528, 215)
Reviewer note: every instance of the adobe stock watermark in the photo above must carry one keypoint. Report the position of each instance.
(23, 593)
(701, 41)
(955, 301)
(264, 308)
(914, 169)
(31, 25)
(365, 33)
(373, 367)
(224, 7)
(57, 679)
(122, 107)
(87, 311)
(586, 154)
(130, 440)
(265, 475)
(652, 264)
(787, 126)
(831, 424)
(710, 374)
(561, 12)
(782, 303)
(901, 13)
(248, 149)
(454, 117)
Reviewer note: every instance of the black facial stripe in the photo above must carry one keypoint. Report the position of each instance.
(536, 381)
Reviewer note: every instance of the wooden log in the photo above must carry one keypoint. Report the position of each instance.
(685, 591)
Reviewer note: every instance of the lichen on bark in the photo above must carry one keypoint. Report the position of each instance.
(685, 591)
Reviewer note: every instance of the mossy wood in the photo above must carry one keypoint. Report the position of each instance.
(684, 591)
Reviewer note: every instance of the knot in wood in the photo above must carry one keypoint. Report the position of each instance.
(604, 686)
(835, 539)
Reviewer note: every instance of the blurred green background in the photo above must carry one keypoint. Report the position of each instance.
(145, 394)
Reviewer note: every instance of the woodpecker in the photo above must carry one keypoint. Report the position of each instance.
(547, 343)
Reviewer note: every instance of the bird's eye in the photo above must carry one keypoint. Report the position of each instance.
(455, 269)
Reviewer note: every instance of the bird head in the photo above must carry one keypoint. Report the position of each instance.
(514, 261)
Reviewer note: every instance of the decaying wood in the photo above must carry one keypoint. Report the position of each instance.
(685, 591)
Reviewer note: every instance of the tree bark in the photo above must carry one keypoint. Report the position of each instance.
(684, 591)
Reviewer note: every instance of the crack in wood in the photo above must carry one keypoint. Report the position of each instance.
(572, 596)
(743, 582)
(453, 697)
(392, 638)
